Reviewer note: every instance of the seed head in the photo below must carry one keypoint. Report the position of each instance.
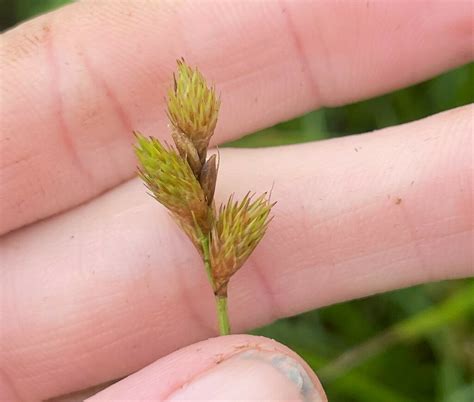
(193, 107)
(184, 181)
(238, 229)
(172, 182)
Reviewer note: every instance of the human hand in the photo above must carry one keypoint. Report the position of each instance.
(97, 291)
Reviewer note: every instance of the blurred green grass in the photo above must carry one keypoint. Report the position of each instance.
(413, 344)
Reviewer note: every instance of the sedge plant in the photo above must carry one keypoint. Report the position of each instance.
(183, 179)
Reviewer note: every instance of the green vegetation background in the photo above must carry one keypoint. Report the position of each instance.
(414, 344)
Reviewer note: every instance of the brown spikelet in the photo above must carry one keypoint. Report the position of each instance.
(187, 150)
(208, 178)
(238, 229)
(193, 107)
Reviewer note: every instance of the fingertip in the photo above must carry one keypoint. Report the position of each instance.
(233, 367)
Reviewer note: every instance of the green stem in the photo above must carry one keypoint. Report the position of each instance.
(222, 315)
(207, 259)
(221, 301)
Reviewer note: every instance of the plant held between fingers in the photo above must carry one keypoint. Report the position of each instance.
(183, 179)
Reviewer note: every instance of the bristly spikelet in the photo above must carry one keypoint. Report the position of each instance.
(193, 107)
(238, 229)
(172, 182)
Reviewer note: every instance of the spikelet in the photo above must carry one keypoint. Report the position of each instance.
(238, 229)
(193, 107)
(172, 182)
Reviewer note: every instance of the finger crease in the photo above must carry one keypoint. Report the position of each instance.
(58, 107)
(416, 244)
(274, 311)
(300, 51)
(190, 303)
(112, 98)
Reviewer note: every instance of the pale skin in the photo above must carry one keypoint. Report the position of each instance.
(97, 291)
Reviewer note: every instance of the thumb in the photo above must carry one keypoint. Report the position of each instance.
(238, 367)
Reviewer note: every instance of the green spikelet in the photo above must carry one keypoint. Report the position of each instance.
(172, 182)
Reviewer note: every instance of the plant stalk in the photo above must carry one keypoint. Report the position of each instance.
(221, 301)
(207, 259)
(222, 315)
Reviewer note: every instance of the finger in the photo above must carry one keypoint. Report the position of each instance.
(103, 290)
(77, 81)
(231, 368)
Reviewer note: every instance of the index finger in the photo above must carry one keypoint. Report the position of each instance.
(77, 81)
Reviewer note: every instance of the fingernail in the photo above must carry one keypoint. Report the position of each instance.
(252, 375)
